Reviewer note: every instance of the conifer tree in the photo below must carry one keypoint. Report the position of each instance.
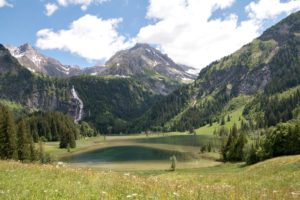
(223, 121)
(228, 118)
(8, 148)
(33, 151)
(23, 142)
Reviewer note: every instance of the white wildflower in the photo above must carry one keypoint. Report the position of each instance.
(295, 194)
(175, 194)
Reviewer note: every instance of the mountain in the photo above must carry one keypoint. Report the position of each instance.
(149, 66)
(102, 101)
(248, 79)
(259, 84)
(38, 63)
(142, 62)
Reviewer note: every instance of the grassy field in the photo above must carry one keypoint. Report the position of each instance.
(277, 178)
(234, 109)
(235, 117)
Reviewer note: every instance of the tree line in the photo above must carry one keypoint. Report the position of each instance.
(15, 140)
(241, 145)
(19, 138)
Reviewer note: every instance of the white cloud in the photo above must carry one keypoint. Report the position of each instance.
(89, 37)
(265, 9)
(186, 34)
(82, 3)
(183, 29)
(50, 8)
(4, 3)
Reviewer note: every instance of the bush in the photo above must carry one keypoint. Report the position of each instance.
(282, 140)
(173, 162)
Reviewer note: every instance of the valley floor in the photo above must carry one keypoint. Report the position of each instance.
(278, 178)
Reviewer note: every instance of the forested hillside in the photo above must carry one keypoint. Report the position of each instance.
(261, 70)
(110, 103)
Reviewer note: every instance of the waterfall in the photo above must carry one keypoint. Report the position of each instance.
(78, 113)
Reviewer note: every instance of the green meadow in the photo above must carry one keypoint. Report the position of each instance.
(277, 178)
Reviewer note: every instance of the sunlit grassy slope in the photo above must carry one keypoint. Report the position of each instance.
(235, 117)
(273, 179)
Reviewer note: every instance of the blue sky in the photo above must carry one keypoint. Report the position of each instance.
(88, 32)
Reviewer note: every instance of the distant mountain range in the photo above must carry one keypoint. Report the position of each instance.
(141, 62)
(142, 89)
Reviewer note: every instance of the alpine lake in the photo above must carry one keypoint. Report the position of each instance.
(125, 153)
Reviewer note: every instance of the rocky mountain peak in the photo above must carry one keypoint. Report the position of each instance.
(143, 57)
(284, 30)
(36, 62)
(141, 45)
(3, 50)
(26, 47)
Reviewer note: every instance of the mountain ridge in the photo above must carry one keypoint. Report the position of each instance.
(141, 62)
(261, 69)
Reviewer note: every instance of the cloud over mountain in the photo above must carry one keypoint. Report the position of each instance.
(186, 30)
(90, 37)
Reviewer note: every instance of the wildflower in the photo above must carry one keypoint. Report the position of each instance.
(103, 195)
(175, 194)
(295, 194)
(128, 196)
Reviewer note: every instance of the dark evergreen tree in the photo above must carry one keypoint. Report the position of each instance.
(8, 142)
(33, 151)
(222, 121)
(228, 118)
(232, 150)
(23, 142)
